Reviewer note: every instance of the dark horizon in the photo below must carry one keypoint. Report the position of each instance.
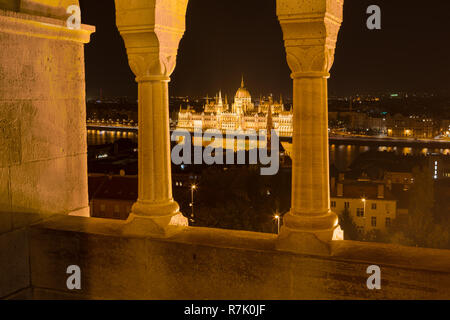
(224, 41)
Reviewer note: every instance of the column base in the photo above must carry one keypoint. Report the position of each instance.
(308, 234)
(152, 209)
(161, 220)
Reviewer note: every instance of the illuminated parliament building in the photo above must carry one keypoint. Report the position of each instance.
(242, 115)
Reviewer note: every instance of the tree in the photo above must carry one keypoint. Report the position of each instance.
(420, 228)
(348, 226)
(237, 198)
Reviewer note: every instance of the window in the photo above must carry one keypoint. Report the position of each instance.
(360, 230)
(333, 204)
(346, 205)
(102, 208)
(360, 212)
(388, 222)
(374, 206)
(374, 221)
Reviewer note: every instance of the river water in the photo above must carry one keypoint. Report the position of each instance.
(341, 155)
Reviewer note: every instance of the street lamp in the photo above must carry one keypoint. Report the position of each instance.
(277, 217)
(364, 201)
(193, 187)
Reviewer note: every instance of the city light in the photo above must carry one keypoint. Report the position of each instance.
(277, 218)
(364, 202)
(193, 187)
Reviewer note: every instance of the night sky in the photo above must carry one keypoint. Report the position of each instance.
(227, 38)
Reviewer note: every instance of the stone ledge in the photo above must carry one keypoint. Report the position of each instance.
(369, 252)
(393, 255)
(201, 263)
(193, 235)
(42, 27)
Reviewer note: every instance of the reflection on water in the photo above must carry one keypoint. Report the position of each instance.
(340, 155)
(407, 151)
(96, 137)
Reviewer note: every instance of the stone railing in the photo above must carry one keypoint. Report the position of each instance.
(202, 263)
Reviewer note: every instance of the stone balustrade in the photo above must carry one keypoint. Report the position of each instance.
(203, 263)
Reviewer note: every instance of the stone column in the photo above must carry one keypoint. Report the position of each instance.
(310, 30)
(152, 30)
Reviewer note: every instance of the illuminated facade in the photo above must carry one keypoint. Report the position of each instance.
(411, 127)
(370, 205)
(243, 114)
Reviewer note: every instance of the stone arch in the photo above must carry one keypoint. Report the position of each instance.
(152, 30)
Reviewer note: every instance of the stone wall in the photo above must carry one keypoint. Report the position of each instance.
(43, 165)
(42, 117)
(200, 263)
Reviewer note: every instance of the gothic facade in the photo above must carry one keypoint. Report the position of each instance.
(242, 115)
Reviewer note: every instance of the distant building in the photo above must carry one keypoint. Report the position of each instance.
(411, 127)
(444, 127)
(404, 177)
(112, 196)
(400, 174)
(439, 166)
(392, 126)
(243, 114)
(370, 204)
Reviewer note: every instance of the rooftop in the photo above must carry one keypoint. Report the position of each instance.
(363, 189)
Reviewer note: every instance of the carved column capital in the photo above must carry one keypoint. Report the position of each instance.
(150, 66)
(151, 30)
(310, 30)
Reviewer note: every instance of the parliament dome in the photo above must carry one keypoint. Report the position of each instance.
(242, 92)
